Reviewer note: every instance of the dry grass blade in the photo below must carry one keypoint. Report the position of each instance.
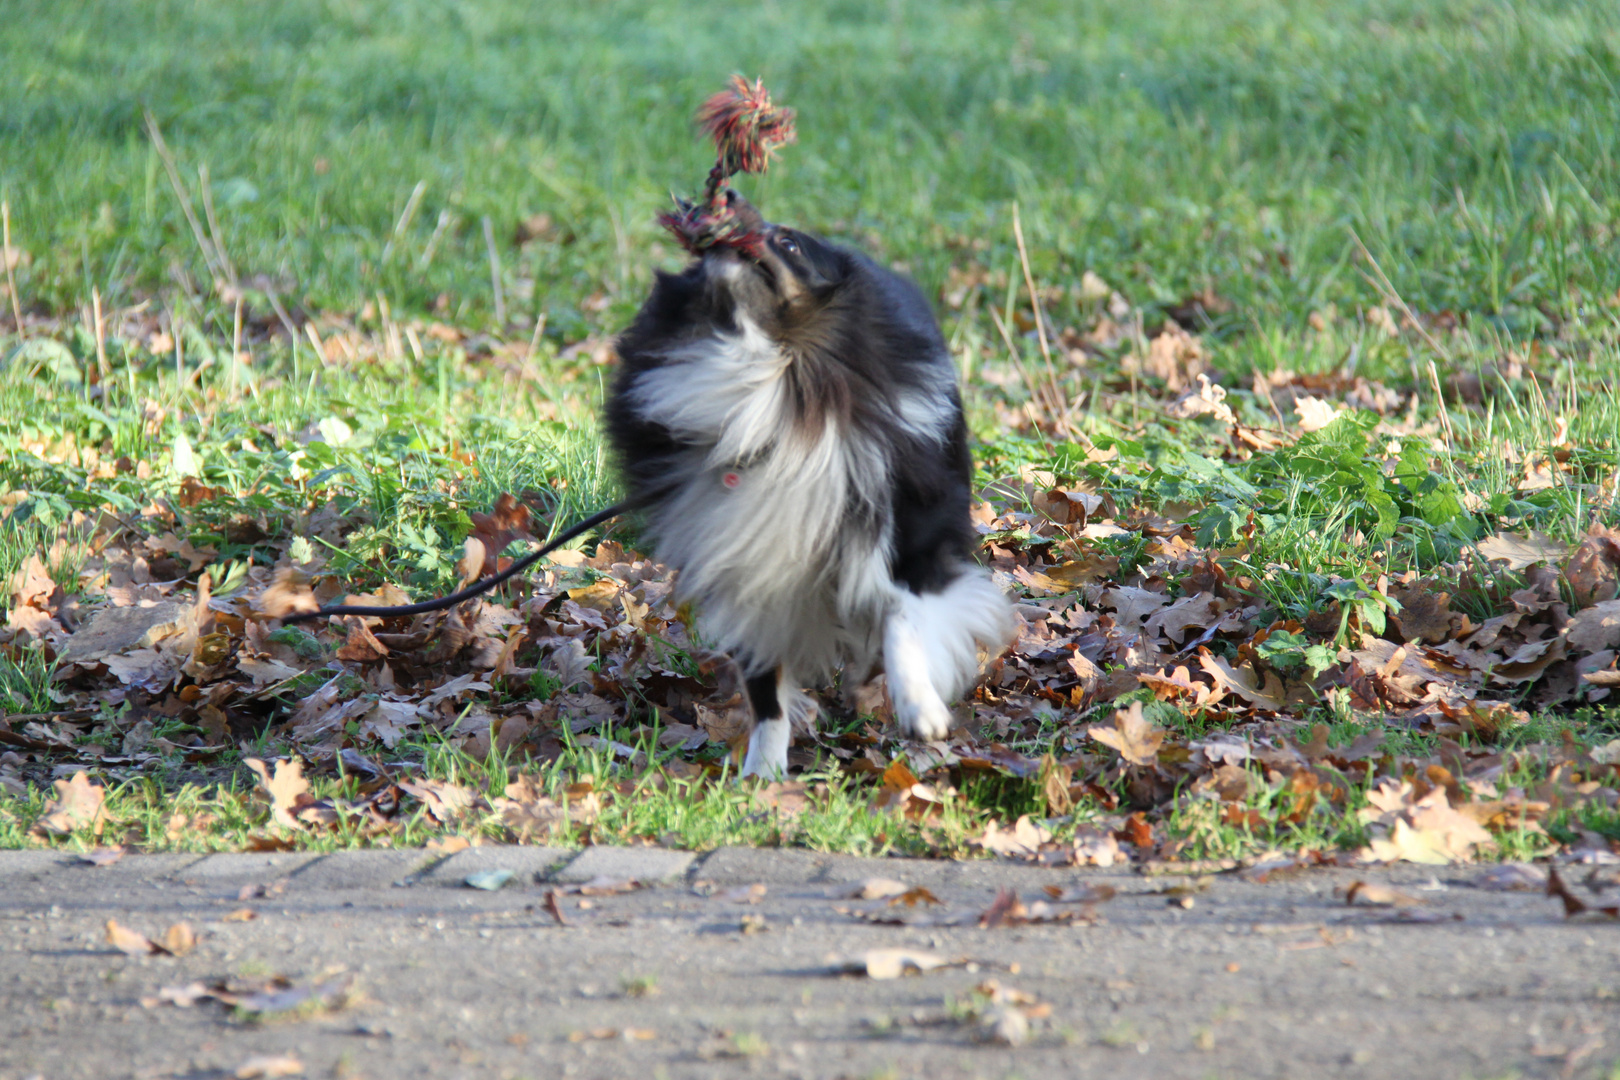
(207, 190)
(406, 216)
(1059, 412)
(1036, 395)
(210, 256)
(103, 370)
(5, 257)
(495, 272)
(445, 218)
(1387, 291)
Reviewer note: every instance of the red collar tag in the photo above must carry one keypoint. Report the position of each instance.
(731, 479)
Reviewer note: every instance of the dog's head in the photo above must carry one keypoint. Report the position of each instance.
(784, 282)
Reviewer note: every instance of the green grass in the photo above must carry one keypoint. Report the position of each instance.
(697, 814)
(353, 149)
(1166, 146)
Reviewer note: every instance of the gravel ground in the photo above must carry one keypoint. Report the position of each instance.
(419, 975)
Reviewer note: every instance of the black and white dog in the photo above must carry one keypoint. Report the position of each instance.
(789, 424)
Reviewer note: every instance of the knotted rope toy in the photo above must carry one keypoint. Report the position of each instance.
(746, 129)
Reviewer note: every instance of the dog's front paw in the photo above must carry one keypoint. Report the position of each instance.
(926, 720)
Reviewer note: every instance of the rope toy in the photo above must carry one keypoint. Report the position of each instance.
(746, 129)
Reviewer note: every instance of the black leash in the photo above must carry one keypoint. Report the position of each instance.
(476, 587)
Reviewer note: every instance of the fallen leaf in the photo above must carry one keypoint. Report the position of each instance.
(1243, 681)
(1204, 397)
(288, 593)
(876, 888)
(1595, 628)
(284, 788)
(1314, 413)
(1137, 740)
(1096, 847)
(1004, 1024)
(602, 885)
(444, 801)
(913, 896)
(893, 963)
(492, 533)
(1002, 1014)
(102, 856)
(284, 999)
(1023, 840)
(788, 798)
(1079, 894)
(131, 942)
(607, 1033)
(1425, 616)
(181, 997)
(1427, 831)
(179, 939)
(78, 804)
(1367, 892)
(267, 1066)
(1574, 905)
(447, 845)
(1593, 571)
(1522, 551)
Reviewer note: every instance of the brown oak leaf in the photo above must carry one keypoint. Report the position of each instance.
(1137, 739)
(1593, 571)
(286, 788)
(287, 593)
(494, 532)
(78, 803)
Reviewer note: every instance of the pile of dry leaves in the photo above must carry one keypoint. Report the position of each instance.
(593, 649)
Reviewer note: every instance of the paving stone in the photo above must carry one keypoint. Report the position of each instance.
(132, 869)
(770, 866)
(841, 868)
(28, 864)
(375, 868)
(237, 868)
(1024, 877)
(643, 864)
(529, 864)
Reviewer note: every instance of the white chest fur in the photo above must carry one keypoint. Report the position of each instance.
(774, 527)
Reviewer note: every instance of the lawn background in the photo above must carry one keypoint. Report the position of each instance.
(1238, 154)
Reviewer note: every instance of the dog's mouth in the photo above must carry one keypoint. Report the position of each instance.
(767, 271)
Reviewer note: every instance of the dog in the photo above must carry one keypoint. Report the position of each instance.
(788, 423)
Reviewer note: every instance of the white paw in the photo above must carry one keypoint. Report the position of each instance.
(925, 719)
(768, 748)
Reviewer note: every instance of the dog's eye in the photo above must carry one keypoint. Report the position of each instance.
(788, 245)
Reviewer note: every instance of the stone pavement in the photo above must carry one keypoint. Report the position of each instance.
(697, 975)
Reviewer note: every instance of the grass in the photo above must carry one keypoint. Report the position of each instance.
(1298, 176)
(164, 813)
